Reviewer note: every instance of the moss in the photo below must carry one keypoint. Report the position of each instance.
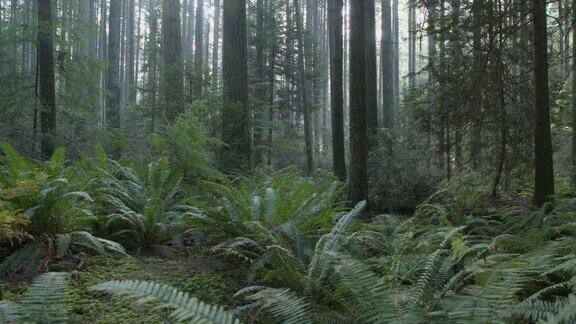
(89, 306)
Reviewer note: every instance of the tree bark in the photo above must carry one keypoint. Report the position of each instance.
(260, 90)
(544, 168)
(216, 45)
(113, 74)
(46, 76)
(336, 88)
(172, 46)
(412, 44)
(574, 95)
(358, 147)
(387, 61)
(302, 89)
(197, 77)
(371, 70)
(236, 114)
(130, 53)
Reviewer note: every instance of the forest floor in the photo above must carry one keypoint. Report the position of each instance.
(194, 271)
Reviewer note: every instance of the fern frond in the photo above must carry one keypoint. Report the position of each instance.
(283, 305)
(46, 299)
(185, 307)
(8, 312)
(565, 314)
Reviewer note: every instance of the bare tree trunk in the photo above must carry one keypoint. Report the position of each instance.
(574, 95)
(259, 91)
(131, 55)
(197, 77)
(102, 53)
(271, 68)
(137, 49)
(477, 91)
(173, 74)
(387, 61)
(412, 44)
(113, 74)
(47, 79)
(371, 70)
(302, 89)
(236, 113)
(396, 33)
(432, 79)
(358, 147)
(153, 62)
(544, 165)
(336, 87)
(216, 45)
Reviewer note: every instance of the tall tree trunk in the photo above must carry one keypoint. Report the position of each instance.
(396, 33)
(387, 62)
(302, 89)
(574, 95)
(412, 44)
(371, 70)
(358, 147)
(445, 141)
(103, 53)
(432, 79)
(216, 45)
(544, 168)
(152, 62)
(271, 68)
(113, 74)
(477, 90)
(260, 90)
(236, 114)
(173, 74)
(137, 49)
(197, 77)
(336, 88)
(46, 75)
(131, 55)
(206, 48)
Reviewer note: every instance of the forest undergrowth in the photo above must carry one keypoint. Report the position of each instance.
(273, 247)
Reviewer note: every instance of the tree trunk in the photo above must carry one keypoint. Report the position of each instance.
(387, 61)
(102, 54)
(236, 114)
(432, 78)
(216, 45)
(396, 33)
(197, 77)
(260, 90)
(336, 88)
(412, 44)
(46, 75)
(131, 56)
(544, 168)
(152, 62)
(302, 89)
(371, 71)
(477, 90)
(271, 68)
(113, 74)
(574, 95)
(172, 48)
(358, 147)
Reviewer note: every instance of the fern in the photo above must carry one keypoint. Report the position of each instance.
(185, 308)
(44, 302)
(283, 305)
(565, 314)
(8, 312)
